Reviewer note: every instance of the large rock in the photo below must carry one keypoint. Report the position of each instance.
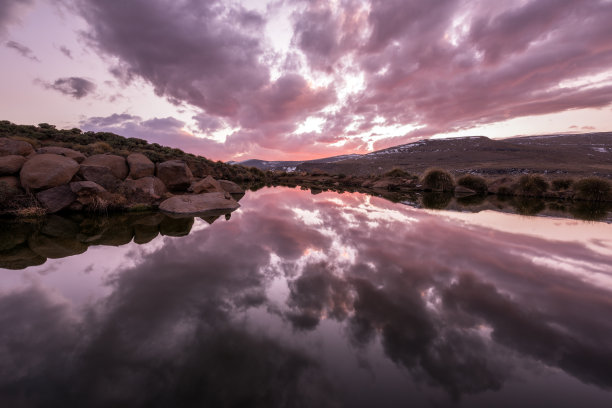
(140, 166)
(190, 205)
(144, 190)
(55, 247)
(44, 171)
(116, 164)
(176, 227)
(101, 175)
(14, 147)
(206, 185)
(20, 257)
(10, 185)
(175, 174)
(145, 233)
(63, 151)
(57, 198)
(11, 164)
(231, 187)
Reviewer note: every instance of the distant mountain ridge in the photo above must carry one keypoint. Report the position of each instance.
(574, 154)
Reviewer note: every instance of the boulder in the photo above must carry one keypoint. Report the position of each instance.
(176, 227)
(61, 227)
(140, 166)
(43, 171)
(86, 187)
(101, 175)
(189, 205)
(116, 164)
(14, 147)
(55, 247)
(144, 190)
(175, 174)
(63, 151)
(11, 164)
(20, 257)
(145, 233)
(86, 192)
(57, 198)
(231, 187)
(10, 185)
(206, 185)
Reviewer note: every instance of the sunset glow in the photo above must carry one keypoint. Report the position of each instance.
(297, 79)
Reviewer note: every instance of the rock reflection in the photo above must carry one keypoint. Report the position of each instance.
(460, 308)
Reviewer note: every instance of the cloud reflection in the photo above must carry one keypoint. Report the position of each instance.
(456, 305)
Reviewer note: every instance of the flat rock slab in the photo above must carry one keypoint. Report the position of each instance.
(197, 204)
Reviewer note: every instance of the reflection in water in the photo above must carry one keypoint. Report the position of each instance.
(306, 300)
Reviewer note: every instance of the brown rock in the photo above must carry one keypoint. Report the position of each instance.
(20, 257)
(57, 198)
(144, 190)
(175, 174)
(14, 147)
(206, 185)
(55, 247)
(11, 164)
(189, 205)
(116, 164)
(176, 227)
(63, 151)
(231, 187)
(44, 171)
(11, 184)
(101, 175)
(145, 233)
(86, 187)
(140, 166)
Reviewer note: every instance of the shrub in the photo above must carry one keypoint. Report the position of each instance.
(561, 184)
(397, 173)
(531, 185)
(593, 189)
(475, 183)
(438, 180)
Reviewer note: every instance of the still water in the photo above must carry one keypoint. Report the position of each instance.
(340, 300)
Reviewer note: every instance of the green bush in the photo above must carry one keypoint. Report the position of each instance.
(561, 184)
(593, 189)
(475, 183)
(531, 185)
(397, 173)
(438, 180)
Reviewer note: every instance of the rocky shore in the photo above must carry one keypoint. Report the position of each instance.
(53, 179)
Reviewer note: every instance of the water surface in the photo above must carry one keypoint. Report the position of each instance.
(307, 300)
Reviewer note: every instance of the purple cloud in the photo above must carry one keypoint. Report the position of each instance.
(22, 49)
(73, 86)
(10, 10)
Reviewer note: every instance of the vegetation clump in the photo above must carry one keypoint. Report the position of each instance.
(593, 189)
(397, 173)
(561, 184)
(475, 183)
(531, 185)
(438, 180)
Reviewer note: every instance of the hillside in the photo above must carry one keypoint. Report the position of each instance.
(90, 143)
(577, 155)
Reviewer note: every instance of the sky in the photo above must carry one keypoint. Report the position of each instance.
(304, 79)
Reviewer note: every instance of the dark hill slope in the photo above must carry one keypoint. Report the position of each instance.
(576, 155)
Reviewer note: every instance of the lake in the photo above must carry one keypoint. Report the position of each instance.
(300, 300)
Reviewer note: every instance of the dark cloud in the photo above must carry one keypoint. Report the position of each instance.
(10, 11)
(22, 49)
(66, 51)
(73, 86)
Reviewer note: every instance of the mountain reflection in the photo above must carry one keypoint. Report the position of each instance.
(199, 320)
